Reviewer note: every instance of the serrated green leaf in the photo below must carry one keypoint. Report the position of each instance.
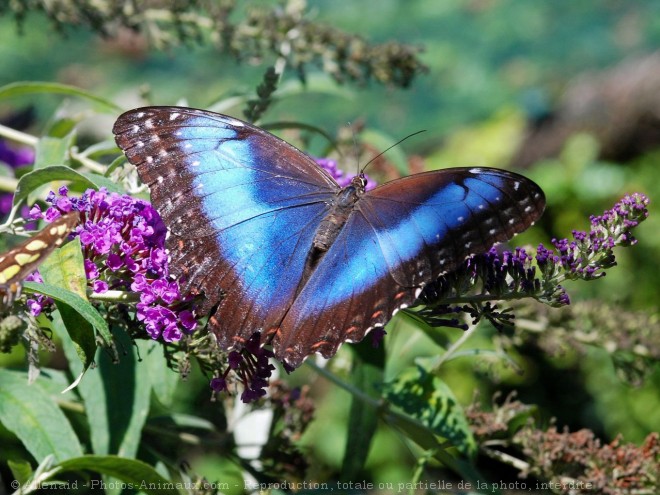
(36, 87)
(141, 476)
(32, 415)
(429, 400)
(32, 180)
(77, 303)
(367, 376)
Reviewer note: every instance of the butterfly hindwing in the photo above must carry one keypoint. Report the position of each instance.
(399, 237)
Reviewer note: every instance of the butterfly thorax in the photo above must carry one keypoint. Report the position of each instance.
(341, 208)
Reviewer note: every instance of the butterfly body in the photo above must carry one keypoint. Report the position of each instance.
(277, 247)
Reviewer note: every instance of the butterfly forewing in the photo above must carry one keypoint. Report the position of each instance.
(241, 205)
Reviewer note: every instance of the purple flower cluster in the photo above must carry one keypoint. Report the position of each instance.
(591, 252)
(253, 368)
(517, 274)
(342, 178)
(123, 247)
(14, 158)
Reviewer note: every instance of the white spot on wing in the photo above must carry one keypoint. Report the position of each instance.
(174, 116)
(516, 186)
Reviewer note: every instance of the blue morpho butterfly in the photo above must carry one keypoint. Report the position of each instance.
(277, 247)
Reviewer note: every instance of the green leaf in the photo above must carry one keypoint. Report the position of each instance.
(61, 127)
(116, 397)
(20, 470)
(32, 415)
(141, 476)
(120, 160)
(65, 268)
(429, 400)
(49, 152)
(127, 388)
(36, 87)
(77, 303)
(163, 379)
(367, 376)
(100, 181)
(53, 151)
(91, 391)
(32, 180)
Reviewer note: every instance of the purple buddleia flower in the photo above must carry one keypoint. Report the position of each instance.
(253, 368)
(506, 275)
(123, 247)
(14, 157)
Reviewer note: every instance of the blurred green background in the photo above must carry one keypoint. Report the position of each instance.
(497, 71)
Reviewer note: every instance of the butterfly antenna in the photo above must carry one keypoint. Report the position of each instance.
(388, 149)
